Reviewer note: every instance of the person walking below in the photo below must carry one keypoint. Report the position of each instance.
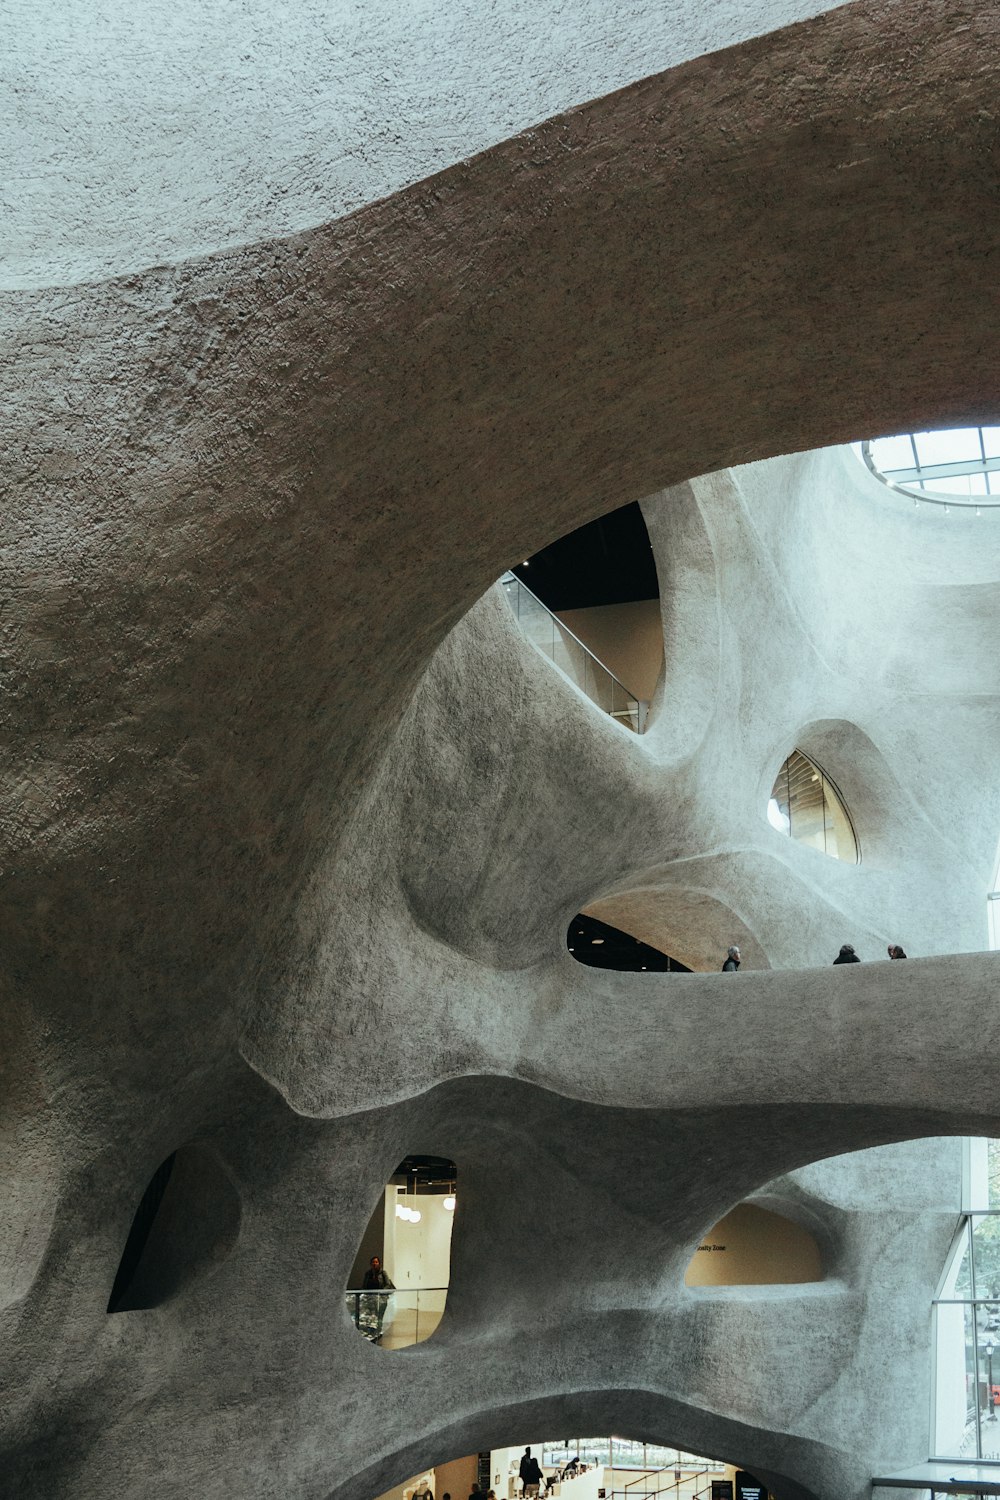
(895, 951)
(732, 962)
(847, 955)
(531, 1474)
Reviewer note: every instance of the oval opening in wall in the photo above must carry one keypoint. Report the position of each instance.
(398, 1285)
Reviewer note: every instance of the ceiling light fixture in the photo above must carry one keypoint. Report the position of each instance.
(449, 1203)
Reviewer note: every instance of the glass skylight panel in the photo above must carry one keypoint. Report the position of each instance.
(893, 453)
(955, 484)
(961, 464)
(959, 445)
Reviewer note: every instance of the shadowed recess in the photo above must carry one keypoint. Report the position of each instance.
(187, 1222)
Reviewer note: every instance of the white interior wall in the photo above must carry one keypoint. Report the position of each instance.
(418, 1255)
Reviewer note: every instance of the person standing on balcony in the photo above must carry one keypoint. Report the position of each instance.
(376, 1279)
(847, 955)
(732, 962)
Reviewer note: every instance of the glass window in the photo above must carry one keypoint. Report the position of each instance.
(958, 445)
(962, 462)
(805, 805)
(893, 453)
(986, 1255)
(956, 1427)
(967, 1321)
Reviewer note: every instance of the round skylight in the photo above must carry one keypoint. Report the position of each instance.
(956, 467)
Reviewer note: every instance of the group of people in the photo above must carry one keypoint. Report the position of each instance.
(846, 955)
(534, 1482)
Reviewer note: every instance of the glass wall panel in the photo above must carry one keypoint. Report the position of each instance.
(963, 1280)
(555, 640)
(993, 1159)
(986, 1255)
(988, 1340)
(955, 1407)
(988, 1344)
(967, 1320)
(806, 806)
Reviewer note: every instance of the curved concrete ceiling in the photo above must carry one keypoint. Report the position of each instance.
(266, 782)
(144, 135)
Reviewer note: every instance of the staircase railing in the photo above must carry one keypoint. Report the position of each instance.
(672, 1490)
(553, 639)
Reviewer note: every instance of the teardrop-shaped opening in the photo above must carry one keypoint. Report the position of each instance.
(807, 807)
(590, 602)
(398, 1286)
(601, 946)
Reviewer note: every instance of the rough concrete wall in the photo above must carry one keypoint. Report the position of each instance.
(804, 608)
(266, 805)
(145, 134)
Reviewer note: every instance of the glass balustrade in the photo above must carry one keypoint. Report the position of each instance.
(553, 639)
(396, 1317)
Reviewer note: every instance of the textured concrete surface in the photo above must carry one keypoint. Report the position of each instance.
(293, 825)
(139, 135)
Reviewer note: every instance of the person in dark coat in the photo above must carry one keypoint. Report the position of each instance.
(895, 951)
(847, 955)
(376, 1279)
(531, 1474)
(732, 962)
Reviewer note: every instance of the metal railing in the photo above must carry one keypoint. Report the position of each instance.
(553, 639)
(396, 1317)
(677, 1489)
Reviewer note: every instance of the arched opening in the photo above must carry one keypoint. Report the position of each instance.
(590, 602)
(690, 924)
(752, 1246)
(582, 1468)
(398, 1286)
(601, 946)
(807, 807)
(186, 1223)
